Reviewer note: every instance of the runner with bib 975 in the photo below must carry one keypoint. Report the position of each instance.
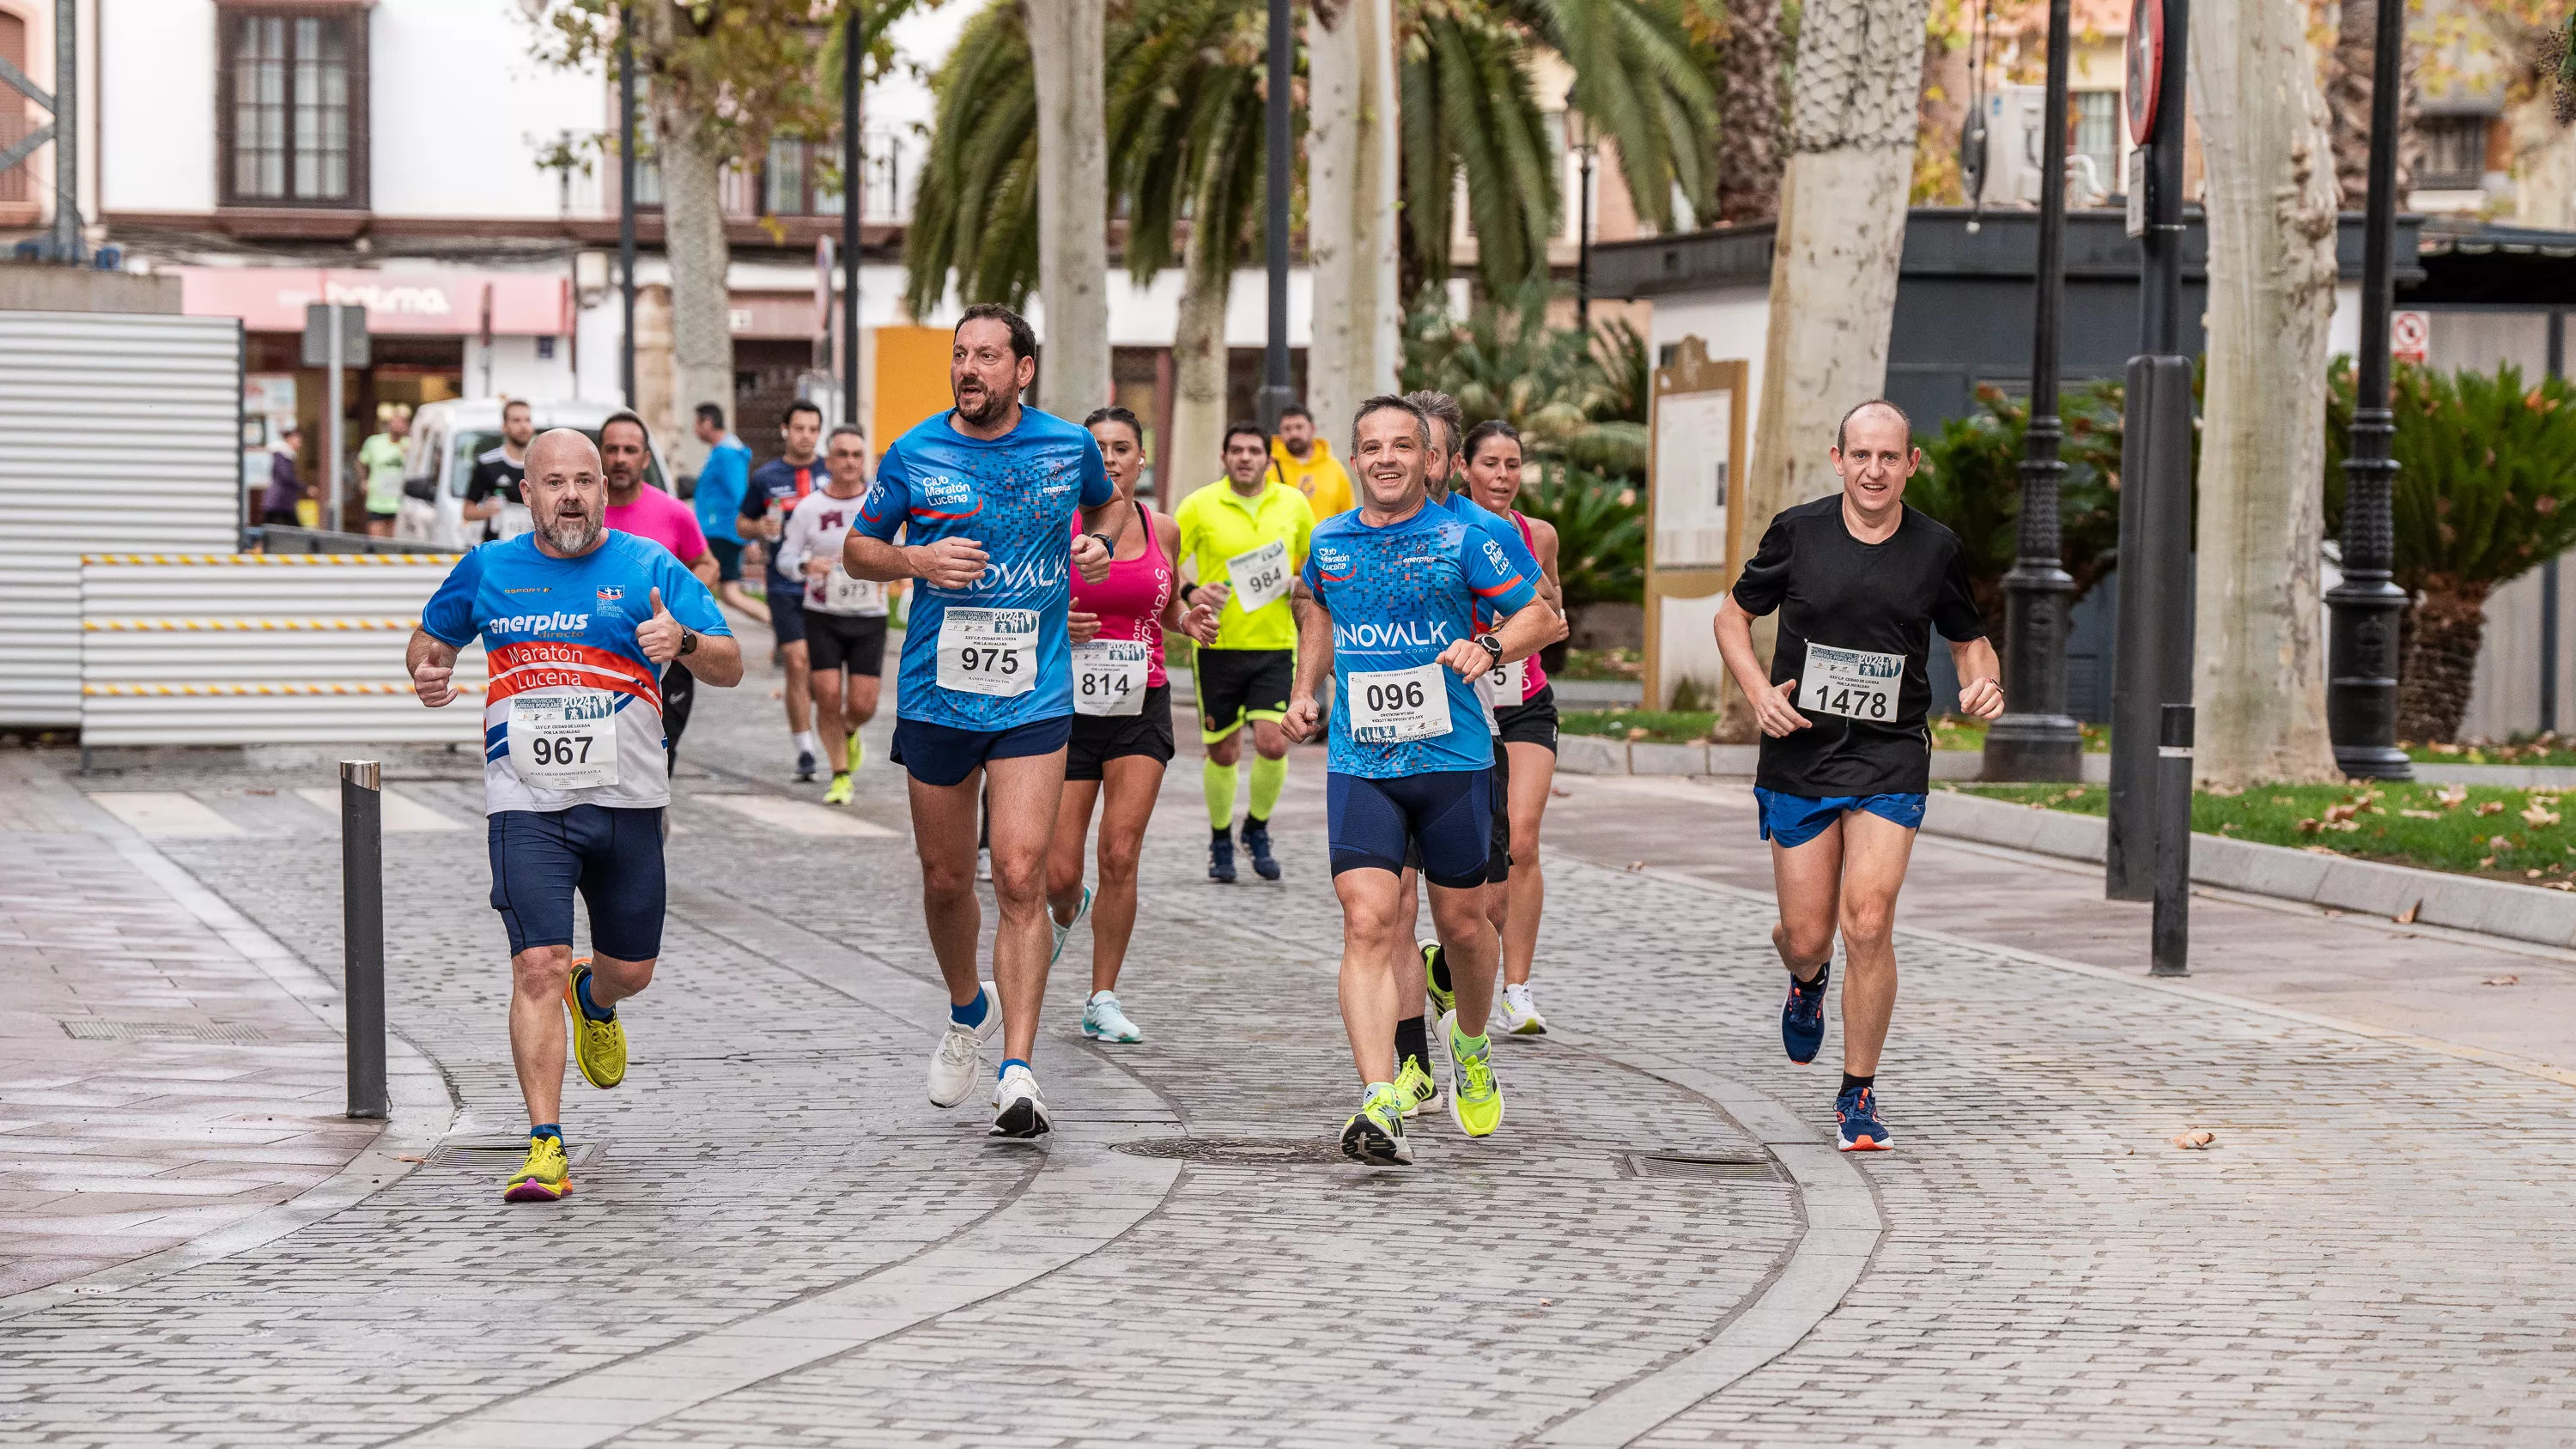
(1860, 581)
(1395, 587)
(577, 620)
(985, 495)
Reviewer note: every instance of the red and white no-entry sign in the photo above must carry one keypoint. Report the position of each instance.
(2410, 336)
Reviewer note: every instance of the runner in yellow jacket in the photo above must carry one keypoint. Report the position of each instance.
(1306, 463)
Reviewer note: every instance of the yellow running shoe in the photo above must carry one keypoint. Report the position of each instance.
(545, 1177)
(1475, 1098)
(857, 752)
(1375, 1134)
(839, 794)
(1414, 1085)
(1444, 1000)
(599, 1046)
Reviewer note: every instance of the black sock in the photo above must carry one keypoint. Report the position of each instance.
(1412, 1041)
(1816, 982)
(1252, 823)
(1852, 1083)
(1225, 833)
(1440, 970)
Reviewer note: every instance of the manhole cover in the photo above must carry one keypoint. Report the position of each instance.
(1238, 1151)
(90, 1028)
(1701, 1167)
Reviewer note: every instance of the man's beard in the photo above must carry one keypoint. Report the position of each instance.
(988, 413)
(573, 535)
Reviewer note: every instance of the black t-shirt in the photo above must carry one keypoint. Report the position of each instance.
(783, 483)
(1868, 604)
(495, 473)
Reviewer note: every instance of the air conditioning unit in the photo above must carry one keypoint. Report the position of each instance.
(2012, 120)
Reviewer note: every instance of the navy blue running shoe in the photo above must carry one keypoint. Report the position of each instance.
(1221, 858)
(1802, 1020)
(1256, 843)
(1862, 1129)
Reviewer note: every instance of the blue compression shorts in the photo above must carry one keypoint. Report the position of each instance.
(1447, 815)
(613, 857)
(944, 755)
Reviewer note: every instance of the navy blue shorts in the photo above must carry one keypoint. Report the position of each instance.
(1793, 820)
(728, 552)
(943, 755)
(612, 856)
(1445, 815)
(786, 608)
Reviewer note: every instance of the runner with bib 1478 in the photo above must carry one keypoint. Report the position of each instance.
(1860, 581)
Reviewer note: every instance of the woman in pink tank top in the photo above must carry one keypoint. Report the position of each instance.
(1122, 727)
(1493, 454)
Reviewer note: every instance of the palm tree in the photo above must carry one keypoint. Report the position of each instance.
(1639, 77)
(1466, 106)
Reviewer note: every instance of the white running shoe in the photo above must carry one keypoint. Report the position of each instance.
(1103, 1021)
(1065, 929)
(959, 1061)
(1520, 1013)
(1020, 1111)
(983, 862)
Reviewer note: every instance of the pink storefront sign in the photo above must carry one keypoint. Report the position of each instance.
(272, 299)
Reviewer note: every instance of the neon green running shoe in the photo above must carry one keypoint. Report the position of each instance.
(598, 1047)
(1375, 1134)
(1444, 999)
(1475, 1098)
(857, 752)
(839, 794)
(1414, 1084)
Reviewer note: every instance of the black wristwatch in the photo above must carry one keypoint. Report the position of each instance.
(688, 640)
(1106, 546)
(1187, 589)
(1493, 646)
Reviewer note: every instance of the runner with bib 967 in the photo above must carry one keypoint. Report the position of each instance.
(1860, 581)
(1396, 586)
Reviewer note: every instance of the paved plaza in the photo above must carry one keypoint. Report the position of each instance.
(776, 1240)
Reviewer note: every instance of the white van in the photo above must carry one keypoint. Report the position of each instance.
(447, 438)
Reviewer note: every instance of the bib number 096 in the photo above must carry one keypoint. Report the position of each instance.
(1397, 694)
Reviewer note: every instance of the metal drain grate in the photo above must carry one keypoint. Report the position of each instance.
(1701, 1167)
(91, 1028)
(582, 1156)
(1238, 1151)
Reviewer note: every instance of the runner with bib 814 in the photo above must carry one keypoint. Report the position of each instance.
(1860, 581)
(985, 495)
(1395, 587)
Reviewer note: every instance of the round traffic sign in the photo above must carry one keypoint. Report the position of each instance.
(2146, 67)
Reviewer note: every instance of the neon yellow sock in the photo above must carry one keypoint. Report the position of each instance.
(1218, 781)
(1269, 777)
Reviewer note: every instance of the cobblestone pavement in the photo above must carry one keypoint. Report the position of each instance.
(775, 1241)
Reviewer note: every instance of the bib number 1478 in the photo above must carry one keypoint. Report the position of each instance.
(1853, 683)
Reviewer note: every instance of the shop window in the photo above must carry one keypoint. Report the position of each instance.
(800, 178)
(291, 107)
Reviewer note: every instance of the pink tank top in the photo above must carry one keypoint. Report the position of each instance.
(1130, 601)
(1537, 678)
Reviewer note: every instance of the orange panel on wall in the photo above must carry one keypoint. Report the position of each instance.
(911, 378)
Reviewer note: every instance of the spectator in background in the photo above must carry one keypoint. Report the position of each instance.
(492, 496)
(721, 484)
(777, 486)
(277, 505)
(381, 457)
(1306, 463)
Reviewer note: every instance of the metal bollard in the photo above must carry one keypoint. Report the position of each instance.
(2171, 948)
(362, 931)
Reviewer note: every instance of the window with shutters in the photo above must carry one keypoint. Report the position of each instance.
(291, 106)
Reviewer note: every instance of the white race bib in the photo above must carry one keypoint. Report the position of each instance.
(513, 519)
(1109, 676)
(1390, 706)
(843, 594)
(1504, 684)
(988, 651)
(564, 739)
(1260, 576)
(1853, 683)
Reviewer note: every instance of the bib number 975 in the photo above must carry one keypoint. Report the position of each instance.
(988, 651)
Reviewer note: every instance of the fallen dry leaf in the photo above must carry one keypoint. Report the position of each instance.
(1636, 865)
(2491, 807)
(1636, 733)
(2406, 917)
(411, 1159)
(2502, 981)
(2537, 816)
(2421, 814)
(2198, 1140)
(2454, 797)
(2320, 850)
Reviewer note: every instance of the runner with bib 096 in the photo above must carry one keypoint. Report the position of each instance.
(577, 621)
(1395, 586)
(985, 495)
(1860, 581)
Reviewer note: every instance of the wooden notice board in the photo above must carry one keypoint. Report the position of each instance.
(1694, 512)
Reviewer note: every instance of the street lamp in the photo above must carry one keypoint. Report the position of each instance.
(2037, 739)
(2361, 635)
(1276, 394)
(853, 197)
(1587, 144)
(626, 198)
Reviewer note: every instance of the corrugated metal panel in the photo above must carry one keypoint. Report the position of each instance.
(226, 649)
(117, 432)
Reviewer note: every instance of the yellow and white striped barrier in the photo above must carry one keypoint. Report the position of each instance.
(150, 626)
(230, 691)
(443, 561)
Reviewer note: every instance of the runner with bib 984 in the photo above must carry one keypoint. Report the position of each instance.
(1860, 581)
(1395, 586)
(985, 495)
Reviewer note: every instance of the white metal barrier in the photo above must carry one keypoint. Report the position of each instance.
(246, 648)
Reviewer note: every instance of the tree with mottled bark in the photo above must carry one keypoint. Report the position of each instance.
(2271, 197)
(1352, 180)
(1751, 114)
(1065, 41)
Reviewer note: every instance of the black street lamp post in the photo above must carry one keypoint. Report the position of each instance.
(854, 193)
(1276, 393)
(2036, 739)
(2361, 638)
(626, 199)
(1586, 145)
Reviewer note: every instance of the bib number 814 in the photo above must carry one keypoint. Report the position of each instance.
(1405, 695)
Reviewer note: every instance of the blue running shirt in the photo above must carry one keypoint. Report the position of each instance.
(1007, 662)
(566, 626)
(1502, 531)
(1398, 596)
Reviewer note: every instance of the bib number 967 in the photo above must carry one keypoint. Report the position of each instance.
(560, 750)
